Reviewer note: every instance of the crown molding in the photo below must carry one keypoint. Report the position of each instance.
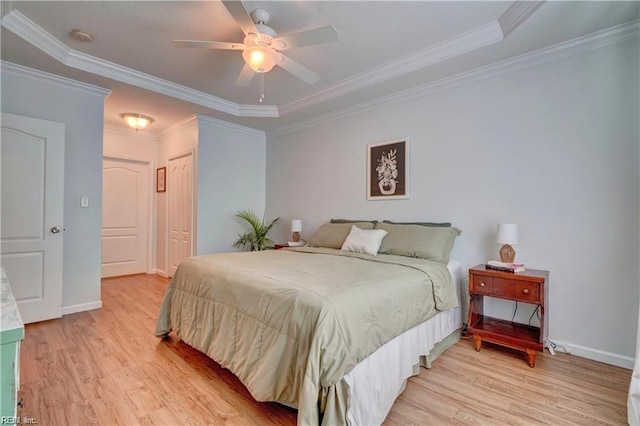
(517, 14)
(6, 6)
(179, 126)
(129, 133)
(250, 131)
(477, 38)
(438, 52)
(33, 34)
(29, 31)
(603, 38)
(42, 76)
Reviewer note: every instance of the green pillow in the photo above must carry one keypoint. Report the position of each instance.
(436, 224)
(426, 242)
(332, 235)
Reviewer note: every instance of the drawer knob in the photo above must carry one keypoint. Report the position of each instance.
(525, 291)
(482, 284)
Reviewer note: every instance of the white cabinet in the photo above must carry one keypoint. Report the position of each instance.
(11, 334)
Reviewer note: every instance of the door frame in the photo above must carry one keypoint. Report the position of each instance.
(151, 178)
(194, 204)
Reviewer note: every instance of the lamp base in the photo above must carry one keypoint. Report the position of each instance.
(295, 237)
(507, 254)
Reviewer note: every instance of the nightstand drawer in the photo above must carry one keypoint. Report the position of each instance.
(482, 284)
(516, 290)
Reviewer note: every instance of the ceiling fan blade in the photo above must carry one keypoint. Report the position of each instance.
(297, 69)
(245, 76)
(320, 35)
(208, 44)
(242, 17)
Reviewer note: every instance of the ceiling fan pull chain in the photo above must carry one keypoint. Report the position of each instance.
(261, 88)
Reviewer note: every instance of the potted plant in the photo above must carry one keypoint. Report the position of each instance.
(257, 239)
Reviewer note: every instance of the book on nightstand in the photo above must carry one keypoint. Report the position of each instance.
(507, 267)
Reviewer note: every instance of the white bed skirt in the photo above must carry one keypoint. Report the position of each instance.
(371, 393)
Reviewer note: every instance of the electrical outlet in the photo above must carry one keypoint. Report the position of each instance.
(84, 202)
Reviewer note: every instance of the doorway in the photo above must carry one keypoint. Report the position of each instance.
(180, 206)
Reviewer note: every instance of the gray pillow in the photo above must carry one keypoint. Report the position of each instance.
(352, 221)
(426, 242)
(333, 235)
(436, 224)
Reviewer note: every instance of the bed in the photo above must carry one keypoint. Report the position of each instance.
(330, 332)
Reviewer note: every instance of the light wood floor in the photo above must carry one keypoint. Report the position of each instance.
(106, 367)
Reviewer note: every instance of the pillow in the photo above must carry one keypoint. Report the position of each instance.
(332, 235)
(361, 241)
(441, 224)
(352, 221)
(426, 242)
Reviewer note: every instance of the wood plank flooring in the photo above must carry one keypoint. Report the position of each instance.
(106, 367)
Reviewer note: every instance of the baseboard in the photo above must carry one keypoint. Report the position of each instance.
(160, 272)
(594, 354)
(66, 310)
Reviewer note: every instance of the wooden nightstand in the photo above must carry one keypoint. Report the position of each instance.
(529, 286)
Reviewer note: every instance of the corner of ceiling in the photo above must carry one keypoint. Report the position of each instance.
(29, 31)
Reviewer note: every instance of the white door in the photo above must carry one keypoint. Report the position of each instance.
(32, 199)
(125, 215)
(180, 194)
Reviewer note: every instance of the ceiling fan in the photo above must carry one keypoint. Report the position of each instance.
(262, 45)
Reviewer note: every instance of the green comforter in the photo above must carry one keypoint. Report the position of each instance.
(291, 323)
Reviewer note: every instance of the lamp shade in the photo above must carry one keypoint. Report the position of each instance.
(296, 225)
(507, 233)
(260, 58)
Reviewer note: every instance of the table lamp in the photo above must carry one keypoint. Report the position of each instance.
(507, 235)
(296, 228)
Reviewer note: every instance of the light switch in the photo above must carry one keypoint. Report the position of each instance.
(84, 201)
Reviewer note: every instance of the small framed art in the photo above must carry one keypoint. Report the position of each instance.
(161, 179)
(388, 170)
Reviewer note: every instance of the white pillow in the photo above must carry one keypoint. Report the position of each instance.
(361, 241)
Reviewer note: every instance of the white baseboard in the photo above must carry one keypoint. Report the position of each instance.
(594, 354)
(66, 310)
(161, 273)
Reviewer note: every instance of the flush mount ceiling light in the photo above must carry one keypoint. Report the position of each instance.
(136, 121)
(82, 36)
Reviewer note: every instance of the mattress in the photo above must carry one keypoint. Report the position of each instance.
(372, 394)
(290, 324)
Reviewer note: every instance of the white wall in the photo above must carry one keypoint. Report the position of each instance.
(553, 148)
(231, 177)
(80, 108)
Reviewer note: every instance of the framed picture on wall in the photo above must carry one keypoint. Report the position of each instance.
(161, 179)
(388, 170)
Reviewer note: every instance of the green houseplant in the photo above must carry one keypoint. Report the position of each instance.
(257, 239)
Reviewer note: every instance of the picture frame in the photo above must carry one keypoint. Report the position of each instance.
(388, 170)
(161, 179)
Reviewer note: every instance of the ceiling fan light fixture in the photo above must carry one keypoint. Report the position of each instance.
(261, 59)
(136, 121)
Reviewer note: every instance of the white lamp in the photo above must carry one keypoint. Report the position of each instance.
(507, 235)
(296, 228)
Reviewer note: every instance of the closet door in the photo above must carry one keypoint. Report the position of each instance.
(180, 195)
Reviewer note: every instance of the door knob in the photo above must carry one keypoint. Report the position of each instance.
(55, 230)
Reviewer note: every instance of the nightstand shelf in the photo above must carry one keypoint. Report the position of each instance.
(530, 287)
